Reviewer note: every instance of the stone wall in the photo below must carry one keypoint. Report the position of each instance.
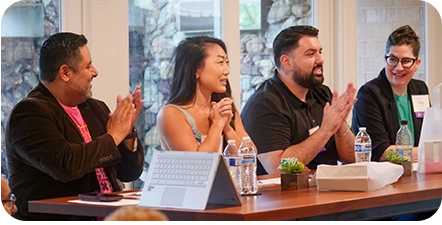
(257, 62)
(19, 64)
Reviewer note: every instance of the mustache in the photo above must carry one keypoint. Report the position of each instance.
(318, 66)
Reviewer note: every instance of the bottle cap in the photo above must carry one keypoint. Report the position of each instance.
(230, 141)
(404, 122)
(362, 128)
(246, 138)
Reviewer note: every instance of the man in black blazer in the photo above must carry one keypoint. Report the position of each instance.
(62, 142)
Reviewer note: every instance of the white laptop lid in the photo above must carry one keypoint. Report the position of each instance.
(218, 189)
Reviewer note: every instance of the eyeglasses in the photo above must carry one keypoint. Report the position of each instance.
(11, 201)
(392, 61)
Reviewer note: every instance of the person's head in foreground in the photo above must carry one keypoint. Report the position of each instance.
(135, 213)
(8, 199)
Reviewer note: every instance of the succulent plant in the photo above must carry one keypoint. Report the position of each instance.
(395, 157)
(291, 166)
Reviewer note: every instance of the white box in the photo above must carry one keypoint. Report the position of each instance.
(365, 176)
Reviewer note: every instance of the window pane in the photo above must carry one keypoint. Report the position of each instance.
(258, 32)
(250, 14)
(155, 28)
(25, 26)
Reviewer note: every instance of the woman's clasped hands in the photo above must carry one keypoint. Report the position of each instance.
(221, 112)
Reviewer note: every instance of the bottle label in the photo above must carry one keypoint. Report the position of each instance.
(362, 147)
(246, 159)
(234, 161)
(405, 151)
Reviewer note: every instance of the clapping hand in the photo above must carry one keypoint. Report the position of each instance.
(138, 103)
(336, 113)
(121, 120)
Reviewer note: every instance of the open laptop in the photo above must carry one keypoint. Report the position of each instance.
(211, 184)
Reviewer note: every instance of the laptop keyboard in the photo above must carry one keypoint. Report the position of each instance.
(190, 171)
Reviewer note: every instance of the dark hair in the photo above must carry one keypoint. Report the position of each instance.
(57, 50)
(187, 58)
(288, 39)
(404, 35)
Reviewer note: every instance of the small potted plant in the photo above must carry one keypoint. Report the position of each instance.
(394, 157)
(294, 175)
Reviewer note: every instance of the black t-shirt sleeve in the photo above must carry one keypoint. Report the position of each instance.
(267, 125)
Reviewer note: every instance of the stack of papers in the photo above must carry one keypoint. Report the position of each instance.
(132, 195)
(276, 180)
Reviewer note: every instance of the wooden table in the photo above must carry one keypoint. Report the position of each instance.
(416, 193)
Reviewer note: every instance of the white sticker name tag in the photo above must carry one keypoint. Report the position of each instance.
(420, 103)
(312, 130)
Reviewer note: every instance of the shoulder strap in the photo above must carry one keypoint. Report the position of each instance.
(196, 133)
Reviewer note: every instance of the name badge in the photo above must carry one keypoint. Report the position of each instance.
(420, 103)
(313, 130)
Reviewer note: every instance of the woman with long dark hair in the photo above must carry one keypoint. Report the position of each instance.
(200, 110)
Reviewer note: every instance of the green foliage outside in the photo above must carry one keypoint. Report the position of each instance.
(250, 16)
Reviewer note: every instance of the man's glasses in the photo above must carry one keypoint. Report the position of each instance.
(392, 61)
(10, 202)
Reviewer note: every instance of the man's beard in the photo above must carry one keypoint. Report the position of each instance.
(306, 79)
(87, 93)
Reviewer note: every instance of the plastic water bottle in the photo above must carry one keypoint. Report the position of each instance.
(233, 163)
(404, 141)
(247, 153)
(362, 146)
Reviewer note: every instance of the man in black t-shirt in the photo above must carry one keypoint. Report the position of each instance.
(292, 114)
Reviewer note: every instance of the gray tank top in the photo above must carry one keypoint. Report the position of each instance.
(198, 136)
